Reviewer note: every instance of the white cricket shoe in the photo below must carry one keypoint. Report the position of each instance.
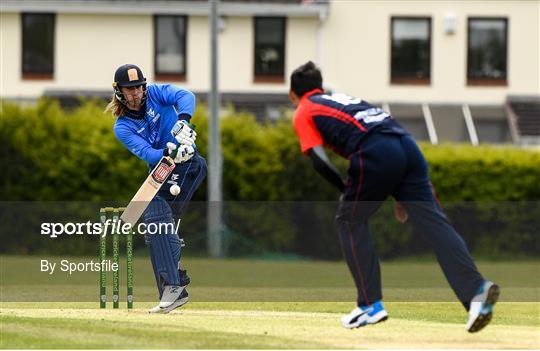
(182, 299)
(481, 308)
(362, 316)
(171, 293)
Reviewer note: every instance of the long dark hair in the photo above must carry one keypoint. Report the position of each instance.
(116, 107)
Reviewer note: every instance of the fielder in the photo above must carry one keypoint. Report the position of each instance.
(384, 161)
(146, 114)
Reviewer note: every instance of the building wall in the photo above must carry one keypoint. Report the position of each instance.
(301, 42)
(10, 65)
(89, 48)
(357, 50)
(236, 50)
(198, 58)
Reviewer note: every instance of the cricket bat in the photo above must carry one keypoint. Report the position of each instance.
(148, 190)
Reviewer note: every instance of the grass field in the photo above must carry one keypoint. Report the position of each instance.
(263, 304)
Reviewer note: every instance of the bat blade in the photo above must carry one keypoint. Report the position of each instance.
(148, 190)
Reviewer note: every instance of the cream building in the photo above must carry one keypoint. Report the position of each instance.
(448, 70)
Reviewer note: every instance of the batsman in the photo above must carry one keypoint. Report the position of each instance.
(384, 161)
(146, 116)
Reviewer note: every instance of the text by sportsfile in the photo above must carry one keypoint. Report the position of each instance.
(54, 229)
(73, 267)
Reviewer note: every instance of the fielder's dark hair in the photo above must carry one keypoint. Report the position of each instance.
(306, 78)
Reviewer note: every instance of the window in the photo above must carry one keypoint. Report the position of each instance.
(269, 49)
(37, 45)
(486, 51)
(411, 50)
(170, 47)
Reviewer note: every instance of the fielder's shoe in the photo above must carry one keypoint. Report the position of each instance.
(182, 299)
(481, 308)
(365, 315)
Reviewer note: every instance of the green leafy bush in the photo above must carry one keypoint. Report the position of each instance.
(49, 154)
(489, 173)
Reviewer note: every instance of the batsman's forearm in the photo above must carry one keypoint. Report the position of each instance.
(184, 117)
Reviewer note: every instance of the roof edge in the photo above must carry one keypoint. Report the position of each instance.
(148, 7)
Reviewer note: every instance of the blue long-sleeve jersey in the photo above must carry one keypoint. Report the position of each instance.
(148, 136)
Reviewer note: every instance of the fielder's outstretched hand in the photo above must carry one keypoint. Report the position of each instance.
(181, 153)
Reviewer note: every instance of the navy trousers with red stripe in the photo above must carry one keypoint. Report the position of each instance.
(393, 165)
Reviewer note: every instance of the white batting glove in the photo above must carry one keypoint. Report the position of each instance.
(183, 133)
(180, 154)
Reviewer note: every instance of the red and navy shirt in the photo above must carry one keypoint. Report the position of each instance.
(339, 122)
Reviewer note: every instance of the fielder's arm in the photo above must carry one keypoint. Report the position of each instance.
(324, 167)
